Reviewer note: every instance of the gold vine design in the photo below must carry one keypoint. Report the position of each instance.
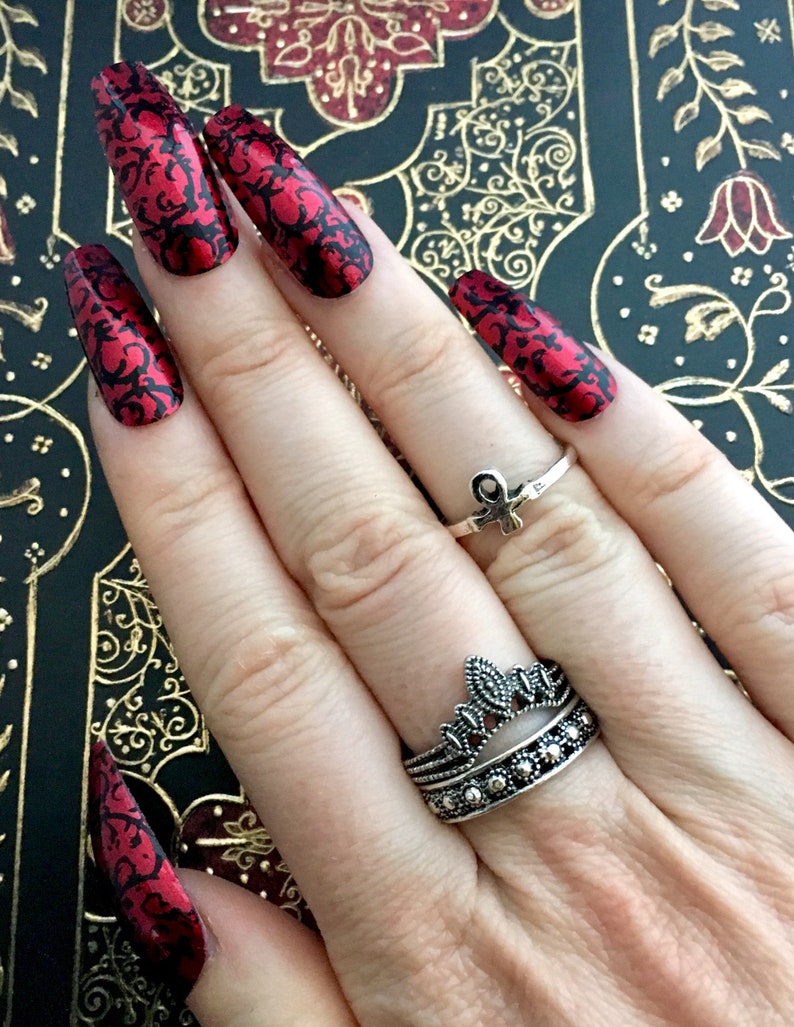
(718, 93)
(22, 99)
(706, 320)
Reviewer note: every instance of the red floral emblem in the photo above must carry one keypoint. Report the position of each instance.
(349, 52)
(743, 216)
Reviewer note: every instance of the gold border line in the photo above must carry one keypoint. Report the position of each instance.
(641, 217)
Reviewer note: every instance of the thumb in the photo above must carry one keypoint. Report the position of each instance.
(237, 960)
(264, 968)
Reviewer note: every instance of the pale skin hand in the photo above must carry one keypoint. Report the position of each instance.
(320, 613)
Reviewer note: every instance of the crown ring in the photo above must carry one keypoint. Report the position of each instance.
(500, 503)
(493, 749)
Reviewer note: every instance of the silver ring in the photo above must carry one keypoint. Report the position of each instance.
(500, 503)
(494, 700)
(473, 769)
(523, 767)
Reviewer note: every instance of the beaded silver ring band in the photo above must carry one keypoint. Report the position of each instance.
(523, 767)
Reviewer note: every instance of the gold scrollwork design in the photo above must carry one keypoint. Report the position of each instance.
(248, 841)
(195, 84)
(26, 493)
(30, 316)
(116, 989)
(150, 715)
(499, 181)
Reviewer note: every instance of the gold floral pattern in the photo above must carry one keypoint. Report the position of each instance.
(499, 181)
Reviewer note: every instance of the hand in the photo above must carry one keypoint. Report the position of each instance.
(322, 614)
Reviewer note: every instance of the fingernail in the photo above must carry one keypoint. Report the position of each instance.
(567, 376)
(153, 908)
(298, 216)
(126, 351)
(163, 171)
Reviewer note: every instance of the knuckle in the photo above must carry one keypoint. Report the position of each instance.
(187, 507)
(248, 348)
(424, 361)
(682, 465)
(363, 567)
(567, 543)
(771, 602)
(265, 688)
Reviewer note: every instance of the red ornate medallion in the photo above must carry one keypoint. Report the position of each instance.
(348, 52)
(223, 835)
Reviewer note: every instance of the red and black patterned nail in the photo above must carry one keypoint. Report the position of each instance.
(567, 376)
(126, 350)
(298, 215)
(163, 172)
(153, 908)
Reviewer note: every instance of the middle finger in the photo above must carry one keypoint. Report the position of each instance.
(405, 601)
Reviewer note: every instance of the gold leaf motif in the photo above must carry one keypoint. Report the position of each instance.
(662, 36)
(711, 30)
(781, 403)
(661, 295)
(31, 58)
(732, 88)
(670, 79)
(747, 115)
(775, 373)
(685, 114)
(707, 149)
(20, 15)
(722, 60)
(28, 492)
(708, 320)
(762, 149)
(24, 100)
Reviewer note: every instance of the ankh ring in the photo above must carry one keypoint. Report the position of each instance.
(500, 503)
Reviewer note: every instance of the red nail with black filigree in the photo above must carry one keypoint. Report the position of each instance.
(163, 171)
(299, 216)
(567, 376)
(153, 908)
(126, 351)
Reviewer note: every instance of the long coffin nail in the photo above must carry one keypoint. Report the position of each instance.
(153, 908)
(163, 171)
(567, 376)
(298, 215)
(126, 350)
